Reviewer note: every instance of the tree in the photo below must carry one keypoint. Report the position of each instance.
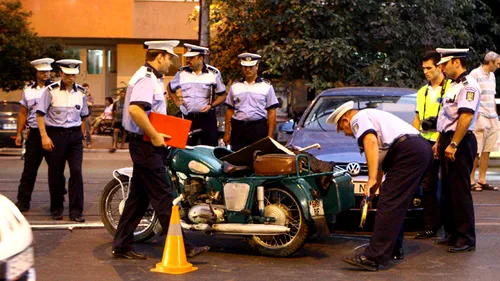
(351, 42)
(19, 45)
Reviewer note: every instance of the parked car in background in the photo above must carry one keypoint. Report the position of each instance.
(17, 256)
(343, 150)
(9, 110)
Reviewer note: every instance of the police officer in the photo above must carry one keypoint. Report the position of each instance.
(27, 116)
(428, 105)
(198, 83)
(145, 94)
(457, 147)
(251, 106)
(395, 147)
(60, 113)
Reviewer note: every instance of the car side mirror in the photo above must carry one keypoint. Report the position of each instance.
(287, 127)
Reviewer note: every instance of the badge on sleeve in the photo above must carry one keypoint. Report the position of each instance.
(470, 96)
(355, 128)
(77, 107)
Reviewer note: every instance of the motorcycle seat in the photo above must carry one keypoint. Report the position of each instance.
(236, 171)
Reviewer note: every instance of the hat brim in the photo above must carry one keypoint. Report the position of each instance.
(443, 60)
(171, 52)
(337, 114)
(191, 54)
(68, 70)
(43, 68)
(249, 63)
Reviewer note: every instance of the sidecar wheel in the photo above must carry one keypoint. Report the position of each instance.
(111, 207)
(282, 204)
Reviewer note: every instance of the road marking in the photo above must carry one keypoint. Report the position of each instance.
(487, 223)
(486, 205)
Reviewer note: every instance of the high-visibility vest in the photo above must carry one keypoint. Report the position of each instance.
(430, 108)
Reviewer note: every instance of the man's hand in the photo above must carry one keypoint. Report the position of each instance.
(47, 143)
(369, 185)
(435, 150)
(450, 153)
(227, 139)
(19, 138)
(159, 139)
(206, 108)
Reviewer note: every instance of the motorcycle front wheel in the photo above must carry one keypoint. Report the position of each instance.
(281, 204)
(112, 204)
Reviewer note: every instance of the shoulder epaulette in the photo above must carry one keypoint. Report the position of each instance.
(213, 69)
(31, 84)
(149, 71)
(53, 86)
(182, 68)
(81, 89)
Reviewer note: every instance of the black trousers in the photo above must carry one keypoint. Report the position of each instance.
(245, 133)
(207, 122)
(430, 201)
(405, 166)
(457, 209)
(68, 147)
(149, 184)
(32, 160)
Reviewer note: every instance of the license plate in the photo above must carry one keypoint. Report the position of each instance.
(9, 126)
(359, 188)
(19, 264)
(316, 208)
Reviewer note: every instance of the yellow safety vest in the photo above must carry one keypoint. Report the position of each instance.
(432, 107)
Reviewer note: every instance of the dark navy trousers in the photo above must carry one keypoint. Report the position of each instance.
(32, 160)
(149, 185)
(405, 165)
(207, 122)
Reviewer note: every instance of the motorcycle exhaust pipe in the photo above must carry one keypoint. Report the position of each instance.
(238, 228)
(260, 199)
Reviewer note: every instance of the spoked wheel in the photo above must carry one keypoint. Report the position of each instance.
(284, 207)
(112, 205)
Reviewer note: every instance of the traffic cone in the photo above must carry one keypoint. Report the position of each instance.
(174, 255)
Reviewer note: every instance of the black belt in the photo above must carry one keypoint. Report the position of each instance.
(249, 123)
(403, 138)
(136, 136)
(198, 114)
(65, 130)
(450, 134)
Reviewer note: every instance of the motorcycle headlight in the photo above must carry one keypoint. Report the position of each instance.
(198, 168)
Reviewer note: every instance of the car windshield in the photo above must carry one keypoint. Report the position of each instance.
(401, 106)
(9, 107)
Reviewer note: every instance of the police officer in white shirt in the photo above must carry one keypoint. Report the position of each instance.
(251, 106)
(457, 147)
(202, 90)
(27, 116)
(145, 94)
(60, 112)
(395, 147)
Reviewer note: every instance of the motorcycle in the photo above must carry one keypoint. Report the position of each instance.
(276, 210)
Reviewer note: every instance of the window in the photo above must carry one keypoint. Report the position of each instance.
(72, 53)
(95, 61)
(111, 63)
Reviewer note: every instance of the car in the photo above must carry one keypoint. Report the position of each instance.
(9, 110)
(17, 255)
(341, 149)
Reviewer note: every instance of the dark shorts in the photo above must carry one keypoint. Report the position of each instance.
(118, 125)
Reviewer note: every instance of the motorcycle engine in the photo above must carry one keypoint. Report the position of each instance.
(201, 202)
(202, 213)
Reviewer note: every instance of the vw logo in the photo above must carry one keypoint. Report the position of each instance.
(353, 168)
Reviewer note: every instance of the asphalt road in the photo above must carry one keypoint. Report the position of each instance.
(84, 254)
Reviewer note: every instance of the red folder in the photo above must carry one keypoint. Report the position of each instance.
(177, 128)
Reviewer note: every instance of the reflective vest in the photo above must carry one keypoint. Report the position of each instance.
(432, 106)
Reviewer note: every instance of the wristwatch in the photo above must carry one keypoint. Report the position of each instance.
(453, 145)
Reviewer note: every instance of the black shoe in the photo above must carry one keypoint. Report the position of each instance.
(398, 254)
(77, 219)
(425, 234)
(131, 255)
(362, 261)
(57, 217)
(22, 206)
(461, 249)
(196, 251)
(448, 241)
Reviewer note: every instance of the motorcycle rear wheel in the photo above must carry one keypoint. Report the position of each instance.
(284, 204)
(111, 211)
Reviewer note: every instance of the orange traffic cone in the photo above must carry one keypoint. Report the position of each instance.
(174, 255)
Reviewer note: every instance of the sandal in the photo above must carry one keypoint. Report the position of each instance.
(487, 186)
(361, 261)
(475, 187)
